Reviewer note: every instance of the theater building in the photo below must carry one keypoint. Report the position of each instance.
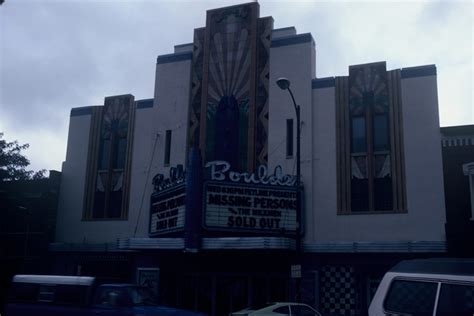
(194, 192)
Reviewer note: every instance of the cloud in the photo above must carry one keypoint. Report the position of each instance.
(55, 55)
(47, 147)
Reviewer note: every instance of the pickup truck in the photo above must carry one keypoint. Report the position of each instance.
(51, 295)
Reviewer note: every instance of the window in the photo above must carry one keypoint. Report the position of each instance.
(381, 133)
(104, 154)
(301, 310)
(108, 169)
(142, 296)
(121, 153)
(411, 297)
(359, 138)
(289, 138)
(468, 170)
(371, 184)
(456, 300)
(114, 297)
(370, 169)
(108, 199)
(283, 310)
(167, 147)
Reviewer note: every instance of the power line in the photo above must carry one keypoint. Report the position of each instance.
(146, 184)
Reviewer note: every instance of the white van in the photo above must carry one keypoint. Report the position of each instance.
(422, 287)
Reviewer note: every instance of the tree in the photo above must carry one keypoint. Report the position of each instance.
(13, 163)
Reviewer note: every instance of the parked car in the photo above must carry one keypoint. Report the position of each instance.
(438, 287)
(290, 309)
(51, 295)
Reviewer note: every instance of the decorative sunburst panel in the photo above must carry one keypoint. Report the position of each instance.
(233, 117)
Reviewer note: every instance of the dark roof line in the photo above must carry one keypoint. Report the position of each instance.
(453, 266)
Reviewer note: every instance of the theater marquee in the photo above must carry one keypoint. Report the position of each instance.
(167, 212)
(251, 208)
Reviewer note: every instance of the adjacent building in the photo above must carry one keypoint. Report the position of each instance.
(193, 192)
(458, 168)
(28, 209)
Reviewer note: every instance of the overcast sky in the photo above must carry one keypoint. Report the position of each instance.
(56, 55)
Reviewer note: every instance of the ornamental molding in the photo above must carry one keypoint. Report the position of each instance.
(455, 141)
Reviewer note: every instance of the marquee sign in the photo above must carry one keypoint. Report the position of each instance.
(220, 171)
(177, 176)
(167, 213)
(232, 201)
(250, 208)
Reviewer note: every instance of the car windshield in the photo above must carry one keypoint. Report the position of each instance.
(142, 296)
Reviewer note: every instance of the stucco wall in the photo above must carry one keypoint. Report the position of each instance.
(170, 112)
(320, 219)
(295, 62)
(73, 176)
(424, 220)
(70, 226)
(423, 160)
(141, 186)
(172, 93)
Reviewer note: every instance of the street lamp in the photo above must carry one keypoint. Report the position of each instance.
(284, 84)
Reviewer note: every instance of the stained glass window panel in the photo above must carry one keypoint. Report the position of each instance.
(383, 197)
(99, 204)
(360, 195)
(104, 154)
(359, 137)
(121, 153)
(381, 132)
(115, 204)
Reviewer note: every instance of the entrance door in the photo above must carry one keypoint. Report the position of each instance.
(231, 294)
(224, 293)
(234, 293)
(268, 289)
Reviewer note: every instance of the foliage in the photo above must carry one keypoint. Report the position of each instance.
(13, 163)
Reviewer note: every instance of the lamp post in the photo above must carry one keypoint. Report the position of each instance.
(284, 84)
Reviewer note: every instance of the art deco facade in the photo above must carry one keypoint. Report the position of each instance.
(370, 161)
